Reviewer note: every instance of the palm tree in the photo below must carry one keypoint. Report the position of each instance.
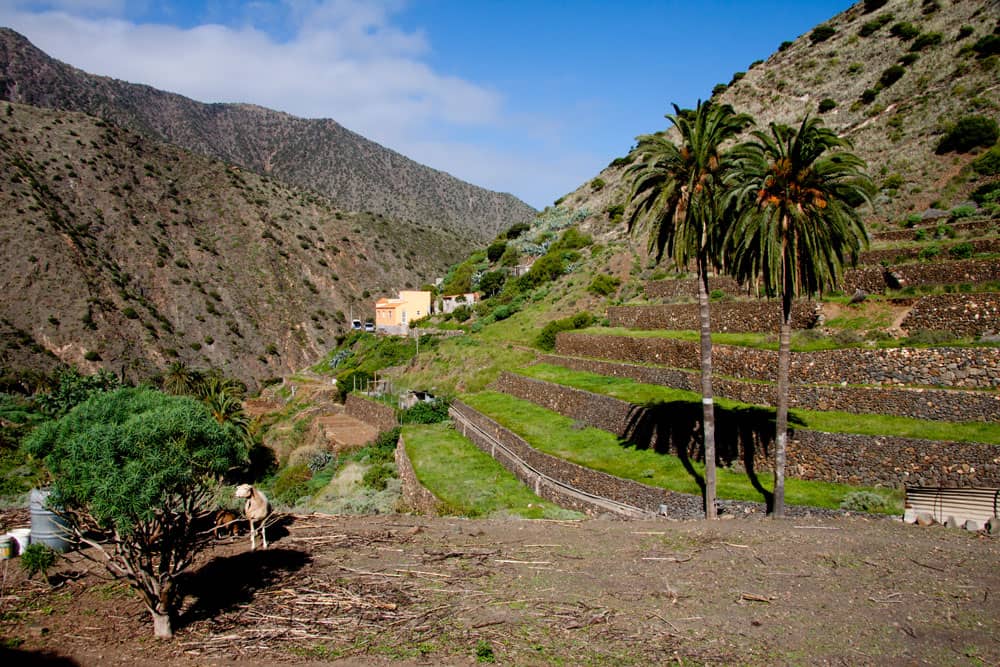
(678, 191)
(180, 379)
(795, 192)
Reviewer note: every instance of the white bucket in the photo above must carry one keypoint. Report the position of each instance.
(23, 538)
(6, 547)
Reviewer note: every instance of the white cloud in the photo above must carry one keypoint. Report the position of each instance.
(343, 59)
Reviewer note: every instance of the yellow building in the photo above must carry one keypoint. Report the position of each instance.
(393, 316)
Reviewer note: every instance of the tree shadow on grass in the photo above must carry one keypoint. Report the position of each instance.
(227, 581)
(743, 434)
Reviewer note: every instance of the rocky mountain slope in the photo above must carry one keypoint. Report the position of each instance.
(357, 174)
(892, 79)
(125, 253)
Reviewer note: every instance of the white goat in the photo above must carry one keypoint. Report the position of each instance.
(256, 509)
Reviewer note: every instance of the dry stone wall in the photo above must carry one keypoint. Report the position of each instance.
(962, 314)
(876, 280)
(910, 234)
(415, 495)
(969, 368)
(680, 288)
(933, 404)
(897, 255)
(831, 457)
(377, 415)
(727, 316)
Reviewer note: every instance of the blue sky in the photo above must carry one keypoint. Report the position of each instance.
(532, 98)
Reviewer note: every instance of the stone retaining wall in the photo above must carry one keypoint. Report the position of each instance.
(933, 404)
(962, 314)
(896, 255)
(909, 234)
(688, 287)
(969, 368)
(727, 316)
(415, 495)
(874, 279)
(832, 457)
(598, 483)
(377, 415)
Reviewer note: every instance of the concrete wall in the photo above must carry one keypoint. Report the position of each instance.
(969, 368)
(747, 439)
(378, 415)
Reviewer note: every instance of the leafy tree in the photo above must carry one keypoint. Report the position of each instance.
(72, 388)
(677, 191)
(968, 133)
(134, 471)
(795, 230)
(495, 250)
(492, 282)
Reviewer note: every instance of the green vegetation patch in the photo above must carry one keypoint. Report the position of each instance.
(593, 448)
(468, 481)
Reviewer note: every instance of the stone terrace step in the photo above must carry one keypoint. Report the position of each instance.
(909, 234)
(932, 404)
(943, 367)
(896, 255)
(755, 316)
(812, 455)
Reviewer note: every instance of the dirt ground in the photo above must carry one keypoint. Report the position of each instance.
(415, 590)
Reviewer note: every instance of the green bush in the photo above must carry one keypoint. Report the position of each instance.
(603, 285)
(873, 26)
(495, 250)
(966, 211)
(291, 484)
(597, 184)
(869, 95)
(827, 104)
(929, 337)
(784, 46)
(965, 31)
(968, 133)
(130, 313)
(382, 449)
(872, 5)
(930, 252)
(986, 194)
(546, 339)
(908, 59)
(904, 30)
(37, 558)
(377, 477)
(865, 501)
(891, 75)
(426, 413)
(988, 164)
(91, 355)
(987, 46)
(961, 251)
(502, 312)
(572, 239)
(925, 40)
(615, 212)
(516, 230)
(821, 33)
(492, 282)
(461, 313)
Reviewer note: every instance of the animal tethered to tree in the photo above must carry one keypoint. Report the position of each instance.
(256, 510)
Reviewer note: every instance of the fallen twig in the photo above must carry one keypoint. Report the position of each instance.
(750, 597)
(929, 567)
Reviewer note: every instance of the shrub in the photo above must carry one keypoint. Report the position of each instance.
(37, 558)
(966, 211)
(461, 313)
(986, 194)
(891, 75)
(892, 182)
(546, 340)
(925, 40)
(516, 230)
(597, 184)
(603, 285)
(855, 68)
(821, 33)
(904, 30)
(736, 77)
(291, 484)
(433, 412)
(130, 313)
(91, 355)
(965, 31)
(968, 133)
(826, 104)
(988, 164)
(912, 219)
(615, 212)
(868, 96)
(492, 282)
(929, 337)
(930, 252)
(872, 5)
(908, 59)
(864, 501)
(871, 27)
(785, 45)
(377, 477)
(718, 89)
(572, 239)
(504, 311)
(961, 251)
(495, 250)
(987, 46)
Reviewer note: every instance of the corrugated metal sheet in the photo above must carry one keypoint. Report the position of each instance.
(977, 505)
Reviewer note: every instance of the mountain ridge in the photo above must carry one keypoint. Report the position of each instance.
(318, 154)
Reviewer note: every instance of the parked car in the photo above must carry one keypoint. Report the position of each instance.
(356, 325)
(370, 326)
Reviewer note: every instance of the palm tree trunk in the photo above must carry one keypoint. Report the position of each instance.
(781, 419)
(707, 403)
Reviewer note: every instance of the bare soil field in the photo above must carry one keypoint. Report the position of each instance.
(399, 589)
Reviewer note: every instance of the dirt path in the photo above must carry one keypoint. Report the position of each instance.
(412, 590)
